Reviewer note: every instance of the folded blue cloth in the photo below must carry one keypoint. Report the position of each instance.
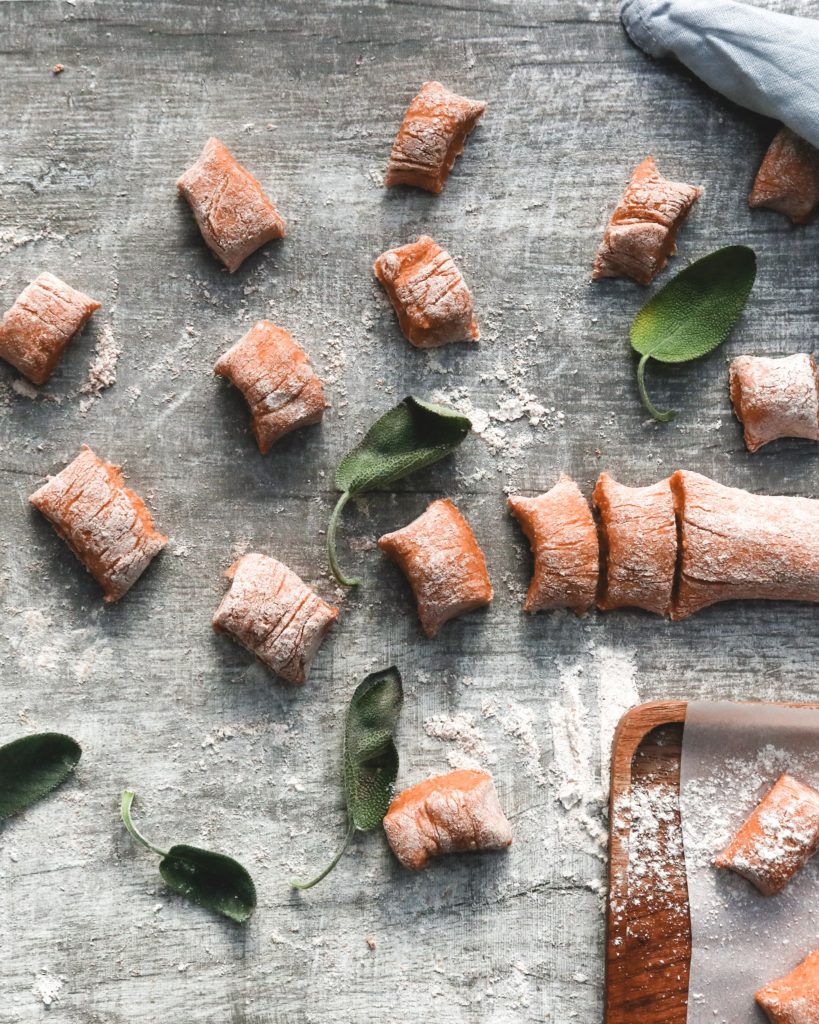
(764, 61)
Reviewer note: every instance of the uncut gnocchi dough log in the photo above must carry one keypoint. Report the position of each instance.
(737, 545)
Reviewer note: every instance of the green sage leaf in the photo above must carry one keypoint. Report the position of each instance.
(212, 880)
(370, 757)
(32, 766)
(412, 435)
(694, 313)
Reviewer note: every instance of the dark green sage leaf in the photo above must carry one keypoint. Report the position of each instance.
(370, 757)
(694, 313)
(210, 879)
(412, 435)
(32, 766)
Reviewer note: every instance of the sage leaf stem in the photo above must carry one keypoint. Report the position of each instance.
(125, 811)
(663, 417)
(351, 830)
(335, 568)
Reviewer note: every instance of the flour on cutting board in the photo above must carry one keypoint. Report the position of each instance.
(47, 988)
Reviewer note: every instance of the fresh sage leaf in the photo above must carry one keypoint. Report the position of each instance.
(32, 766)
(210, 879)
(693, 314)
(412, 435)
(370, 757)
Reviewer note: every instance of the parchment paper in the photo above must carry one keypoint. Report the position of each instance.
(731, 755)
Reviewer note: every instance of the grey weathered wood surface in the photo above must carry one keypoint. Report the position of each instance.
(309, 96)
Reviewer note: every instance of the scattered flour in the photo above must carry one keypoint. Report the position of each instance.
(47, 988)
(518, 721)
(102, 372)
(471, 749)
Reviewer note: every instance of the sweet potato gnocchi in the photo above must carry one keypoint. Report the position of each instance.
(233, 213)
(778, 838)
(277, 381)
(788, 178)
(794, 999)
(440, 557)
(451, 813)
(45, 316)
(274, 614)
(560, 529)
(105, 524)
(775, 398)
(642, 232)
(431, 137)
(433, 304)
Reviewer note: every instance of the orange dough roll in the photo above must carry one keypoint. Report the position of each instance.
(452, 813)
(277, 381)
(639, 541)
(778, 839)
(775, 398)
(274, 614)
(642, 232)
(431, 137)
(794, 999)
(440, 557)
(45, 316)
(105, 524)
(433, 303)
(233, 213)
(737, 545)
(560, 529)
(788, 178)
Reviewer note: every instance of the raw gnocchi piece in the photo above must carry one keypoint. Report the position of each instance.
(775, 398)
(794, 999)
(233, 213)
(737, 545)
(440, 557)
(642, 232)
(560, 529)
(45, 316)
(274, 614)
(105, 524)
(431, 137)
(639, 541)
(788, 178)
(778, 838)
(433, 303)
(277, 381)
(451, 813)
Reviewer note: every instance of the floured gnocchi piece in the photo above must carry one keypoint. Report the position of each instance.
(45, 316)
(642, 232)
(560, 529)
(775, 398)
(778, 838)
(788, 178)
(452, 813)
(233, 213)
(431, 137)
(278, 383)
(105, 524)
(433, 303)
(639, 540)
(274, 614)
(440, 557)
(794, 999)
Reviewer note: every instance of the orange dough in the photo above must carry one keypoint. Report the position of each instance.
(775, 398)
(277, 380)
(274, 614)
(788, 178)
(104, 523)
(233, 213)
(433, 303)
(794, 999)
(642, 232)
(450, 813)
(44, 318)
(778, 839)
(431, 137)
(560, 528)
(739, 545)
(440, 557)
(639, 535)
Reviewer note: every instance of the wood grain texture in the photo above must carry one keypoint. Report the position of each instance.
(309, 96)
